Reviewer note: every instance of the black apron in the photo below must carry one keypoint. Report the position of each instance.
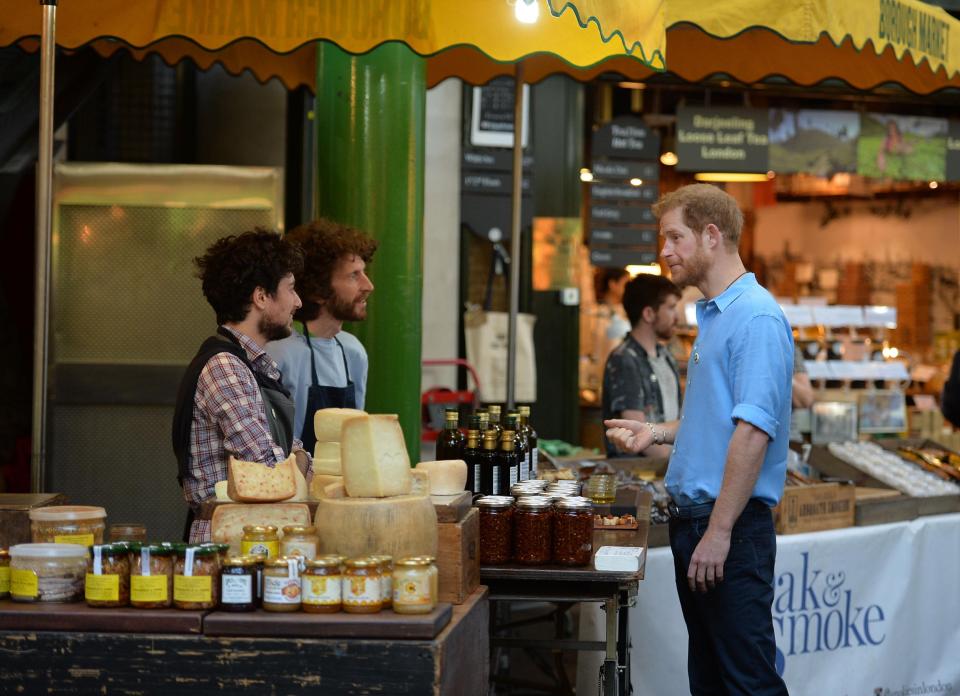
(319, 396)
(277, 403)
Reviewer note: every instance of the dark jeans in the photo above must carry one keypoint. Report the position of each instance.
(732, 648)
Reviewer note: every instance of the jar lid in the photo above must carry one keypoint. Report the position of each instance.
(336, 556)
(428, 559)
(414, 562)
(324, 562)
(114, 548)
(48, 551)
(534, 502)
(198, 550)
(239, 561)
(128, 527)
(259, 529)
(67, 513)
(361, 563)
(495, 501)
(573, 504)
(382, 558)
(219, 546)
(281, 562)
(299, 529)
(154, 549)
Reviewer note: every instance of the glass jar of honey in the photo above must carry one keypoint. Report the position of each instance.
(281, 584)
(414, 588)
(299, 541)
(386, 578)
(362, 592)
(260, 539)
(321, 583)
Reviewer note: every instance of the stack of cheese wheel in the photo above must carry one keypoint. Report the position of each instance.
(263, 494)
(380, 507)
(327, 464)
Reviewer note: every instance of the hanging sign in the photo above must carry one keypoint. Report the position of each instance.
(723, 140)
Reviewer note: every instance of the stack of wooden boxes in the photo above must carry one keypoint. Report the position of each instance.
(914, 319)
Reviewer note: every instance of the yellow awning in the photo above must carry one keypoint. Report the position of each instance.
(866, 43)
(475, 40)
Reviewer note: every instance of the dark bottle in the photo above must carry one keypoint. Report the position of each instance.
(471, 455)
(531, 437)
(450, 441)
(490, 479)
(484, 416)
(509, 459)
(512, 424)
(495, 420)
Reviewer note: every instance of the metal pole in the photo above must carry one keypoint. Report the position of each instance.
(515, 238)
(38, 457)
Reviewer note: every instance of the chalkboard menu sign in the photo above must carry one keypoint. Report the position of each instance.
(623, 229)
(723, 140)
(491, 121)
(486, 192)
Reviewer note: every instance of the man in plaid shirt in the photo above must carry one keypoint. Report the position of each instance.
(232, 400)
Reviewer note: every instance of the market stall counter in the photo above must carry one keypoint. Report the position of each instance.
(170, 651)
(615, 590)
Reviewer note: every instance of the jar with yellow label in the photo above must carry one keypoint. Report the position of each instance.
(299, 541)
(361, 586)
(260, 539)
(4, 573)
(47, 572)
(108, 576)
(238, 584)
(68, 524)
(281, 584)
(196, 577)
(321, 584)
(151, 575)
(386, 578)
(414, 591)
(434, 575)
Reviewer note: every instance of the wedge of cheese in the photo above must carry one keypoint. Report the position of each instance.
(328, 421)
(220, 492)
(447, 477)
(226, 525)
(374, 457)
(253, 482)
(321, 481)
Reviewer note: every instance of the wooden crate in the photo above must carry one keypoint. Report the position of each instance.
(15, 514)
(458, 557)
(815, 508)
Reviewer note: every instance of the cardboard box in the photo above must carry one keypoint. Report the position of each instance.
(815, 508)
(458, 558)
(15, 515)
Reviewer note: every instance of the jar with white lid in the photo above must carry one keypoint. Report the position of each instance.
(47, 572)
(68, 524)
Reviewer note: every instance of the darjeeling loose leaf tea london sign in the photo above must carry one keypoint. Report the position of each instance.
(723, 140)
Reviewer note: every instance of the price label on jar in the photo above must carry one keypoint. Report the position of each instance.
(102, 588)
(148, 588)
(323, 589)
(24, 583)
(412, 591)
(361, 590)
(270, 549)
(197, 588)
(80, 539)
(281, 590)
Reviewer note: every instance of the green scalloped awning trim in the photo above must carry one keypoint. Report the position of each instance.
(656, 61)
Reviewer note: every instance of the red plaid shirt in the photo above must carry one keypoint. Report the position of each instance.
(228, 418)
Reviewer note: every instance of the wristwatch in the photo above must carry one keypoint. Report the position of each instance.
(658, 435)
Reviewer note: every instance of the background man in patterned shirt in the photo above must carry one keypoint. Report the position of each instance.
(231, 399)
(640, 379)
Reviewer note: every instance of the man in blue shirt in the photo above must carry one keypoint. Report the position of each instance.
(728, 463)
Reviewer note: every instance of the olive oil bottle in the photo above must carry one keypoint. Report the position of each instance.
(471, 455)
(509, 459)
(531, 440)
(450, 441)
(490, 478)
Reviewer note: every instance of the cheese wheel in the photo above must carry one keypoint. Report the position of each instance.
(327, 450)
(327, 422)
(421, 483)
(220, 491)
(253, 482)
(399, 526)
(447, 477)
(321, 481)
(374, 457)
(330, 467)
(226, 525)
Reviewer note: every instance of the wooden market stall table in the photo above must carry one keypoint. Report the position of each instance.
(50, 648)
(617, 591)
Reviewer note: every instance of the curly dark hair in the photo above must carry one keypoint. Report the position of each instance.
(323, 243)
(236, 265)
(647, 290)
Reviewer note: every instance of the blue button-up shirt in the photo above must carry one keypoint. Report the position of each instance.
(740, 368)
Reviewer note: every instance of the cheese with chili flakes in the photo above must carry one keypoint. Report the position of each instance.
(253, 482)
(228, 521)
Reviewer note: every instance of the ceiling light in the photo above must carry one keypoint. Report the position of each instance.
(729, 176)
(636, 182)
(933, 184)
(526, 11)
(586, 175)
(648, 268)
(669, 158)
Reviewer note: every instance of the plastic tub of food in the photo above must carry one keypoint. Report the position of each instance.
(47, 572)
(68, 524)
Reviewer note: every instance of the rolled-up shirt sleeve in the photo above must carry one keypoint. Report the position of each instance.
(761, 365)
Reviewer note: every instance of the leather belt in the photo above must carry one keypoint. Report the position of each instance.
(695, 512)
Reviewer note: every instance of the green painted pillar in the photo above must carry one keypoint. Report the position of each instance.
(370, 114)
